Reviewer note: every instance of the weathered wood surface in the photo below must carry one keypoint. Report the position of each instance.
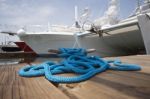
(12, 86)
(115, 84)
(107, 85)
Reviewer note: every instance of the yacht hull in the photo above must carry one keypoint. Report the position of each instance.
(125, 42)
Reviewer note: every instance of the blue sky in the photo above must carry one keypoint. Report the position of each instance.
(24, 12)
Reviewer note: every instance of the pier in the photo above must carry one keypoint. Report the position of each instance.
(106, 85)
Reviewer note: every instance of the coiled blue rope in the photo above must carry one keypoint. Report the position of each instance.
(76, 62)
(66, 52)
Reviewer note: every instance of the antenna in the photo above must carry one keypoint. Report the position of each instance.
(138, 6)
(138, 3)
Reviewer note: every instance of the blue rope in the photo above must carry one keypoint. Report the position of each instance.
(66, 52)
(76, 62)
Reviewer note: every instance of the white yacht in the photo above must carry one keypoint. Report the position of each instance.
(123, 38)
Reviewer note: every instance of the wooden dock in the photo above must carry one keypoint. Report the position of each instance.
(107, 85)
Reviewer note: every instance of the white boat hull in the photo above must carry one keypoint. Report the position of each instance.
(123, 43)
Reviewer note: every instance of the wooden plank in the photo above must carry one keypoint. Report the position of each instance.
(12, 86)
(115, 84)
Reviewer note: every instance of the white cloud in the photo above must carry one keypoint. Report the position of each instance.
(24, 13)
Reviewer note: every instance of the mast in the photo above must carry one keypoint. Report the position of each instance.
(76, 13)
(76, 18)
